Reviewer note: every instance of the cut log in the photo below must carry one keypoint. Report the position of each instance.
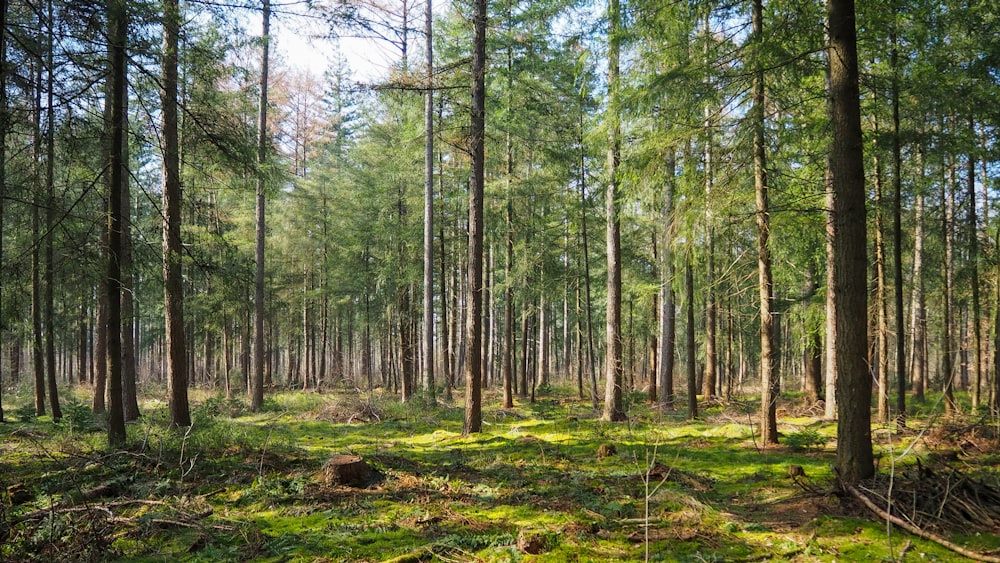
(349, 471)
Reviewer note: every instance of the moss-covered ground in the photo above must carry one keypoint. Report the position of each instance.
(241, 486)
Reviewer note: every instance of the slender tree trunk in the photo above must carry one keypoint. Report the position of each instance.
(614, 370)
(768, 363)
(474, 329)
(830, 202)
(38, 344)
(667, 327)
(854, 384)
(50, 219)
(177, 376)
(257, 381)
(897, 240)
(711, 307)
(692, 375)
(947, 344)
(813, 367)
(881, 309)
(117, 35)
(4, 124)
(918, 319)
(543, 340)
(428, 340)
(972, 237)
(591, 354)
(101, 337)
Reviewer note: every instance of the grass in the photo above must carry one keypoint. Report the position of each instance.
(241, 486)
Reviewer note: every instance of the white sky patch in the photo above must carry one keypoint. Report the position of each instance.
(304, 42)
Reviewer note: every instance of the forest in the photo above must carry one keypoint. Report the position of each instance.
(693, 280)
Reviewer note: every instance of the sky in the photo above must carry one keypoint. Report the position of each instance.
(299, 41)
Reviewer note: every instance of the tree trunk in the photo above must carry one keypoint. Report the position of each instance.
(257, 381)
(692, 375)
(508, 323)
(613, 357)
(428, 334)
(854, 385)
(591, 357)
(768, 363)
(4, 125)
(947, 344)
(972, 236)
(918, 318)
(881, 309)
(50, 219)
(474, 329)
(38, 344)
(117, 35)
(813, 367)
(897, 240)
(177, 376)
(667, 328)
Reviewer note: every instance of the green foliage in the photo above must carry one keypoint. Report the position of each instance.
(805, 440)
(79, 417)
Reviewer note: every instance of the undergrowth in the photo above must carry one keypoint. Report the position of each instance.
(242, 486)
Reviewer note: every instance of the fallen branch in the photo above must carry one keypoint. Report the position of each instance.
(917, 531)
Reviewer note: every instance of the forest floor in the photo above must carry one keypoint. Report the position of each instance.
(544, 481)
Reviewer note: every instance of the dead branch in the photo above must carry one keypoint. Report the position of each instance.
(917, 531)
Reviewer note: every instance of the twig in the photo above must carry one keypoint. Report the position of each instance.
(917, 531)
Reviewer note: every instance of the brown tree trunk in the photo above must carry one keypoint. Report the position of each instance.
(881, 309)
(947, 344)
(257, 381)
(614, 370)
(668, 318)
(428, 324)
(50, 219)
(177, 376)
(813, 367)
(117, 35)
(474, 328)
(768, 352)
(972, 238)
(38, 344)
(4, 124)
(691, 357)
(897, 240)
(854, 385)
(918, 318)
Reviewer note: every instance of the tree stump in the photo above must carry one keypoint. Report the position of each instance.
(349, 471)
(531, 542)
(606, 450)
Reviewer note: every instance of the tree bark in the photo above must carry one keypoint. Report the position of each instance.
(257, 381)
(768, 352)
(897, 239)
(4, 125)
(972, 236)
(428, 340)
(918, 318)
(881, 308)
(177, 375)
(854, 385)
(474, 330)
(613, 357)
(667, 328)
(947, 343)
(692, 390)
(117, 35)
(50, 218)
(38, 344)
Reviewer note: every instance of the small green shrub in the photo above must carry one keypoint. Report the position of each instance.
(806, 440)
(79, 417)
